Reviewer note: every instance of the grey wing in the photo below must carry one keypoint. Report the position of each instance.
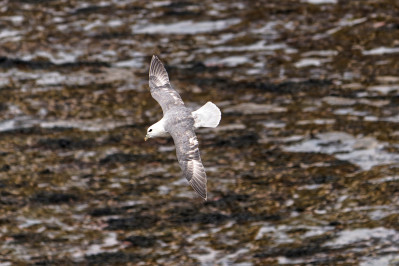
(161, 90)
(189, 158)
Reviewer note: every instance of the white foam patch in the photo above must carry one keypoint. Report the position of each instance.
(284, 260)
(381, 51)
(384, 89)
(279, 233)
(132, 63)
(394, 119)
(310, 187)
(306, 62)
(258, 46)
(110, 244)
(326, 53)
(364, 152)
(222, 38)
(273, 124)
(385, 179)
(158, 3)
(254, 108)
(8, 33)
(320, 2)
(349, 111)
(332, 100)
(316, 122)
(95, 24)
(376, 103)
(60, 57)
(17, 123)
(345, 22)
(201, 249)
(379, 234)
(15, 19)
(380, 260)
(107, 55)
(387, 79)
(184, 27)
(233, 61)
(269, 29)
(51, 78)
(229, 127)
(207, 256)
(84, 125)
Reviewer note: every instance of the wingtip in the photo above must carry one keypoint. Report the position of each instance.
(157, 74)
(203, 196)
(155, 60)
(200, 190)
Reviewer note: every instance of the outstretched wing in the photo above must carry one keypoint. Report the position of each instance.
(161, 90)
(188, 154)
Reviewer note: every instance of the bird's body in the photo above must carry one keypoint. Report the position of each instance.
(180, 122)
(180, 115)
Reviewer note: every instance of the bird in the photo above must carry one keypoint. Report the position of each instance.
(180, 123)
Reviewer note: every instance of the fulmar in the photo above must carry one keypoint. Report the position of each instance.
(180, 122)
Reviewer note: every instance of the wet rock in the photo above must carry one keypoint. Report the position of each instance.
(91, 9)
(293, 252)
(133, 222)
(45, 172)
(46, 197)
(189, 215)
(106, 211)
(5, 168)
(10, 63)
(246, 216)
(122, 158)
(107, 258)
(239, 141)
(45, 262)
(65, 143)
(29, 237)
(35, 65)
(141, 241)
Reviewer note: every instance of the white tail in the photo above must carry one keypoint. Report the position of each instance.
(207, 116)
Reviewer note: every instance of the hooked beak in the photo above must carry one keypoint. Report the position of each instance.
(146, 137)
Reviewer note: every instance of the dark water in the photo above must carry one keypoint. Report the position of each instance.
(303, 169)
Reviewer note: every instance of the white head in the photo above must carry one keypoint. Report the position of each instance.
(156, 130)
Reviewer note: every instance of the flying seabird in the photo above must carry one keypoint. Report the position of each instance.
(180, 122)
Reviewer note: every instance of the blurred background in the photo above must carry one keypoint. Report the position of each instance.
(303, 169)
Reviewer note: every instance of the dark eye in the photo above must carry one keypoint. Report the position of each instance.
(150, 130)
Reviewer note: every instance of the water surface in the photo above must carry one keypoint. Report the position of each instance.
(303, 168)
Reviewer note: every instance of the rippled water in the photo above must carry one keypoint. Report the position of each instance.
(303, 169)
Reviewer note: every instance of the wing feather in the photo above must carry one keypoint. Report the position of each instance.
(161, 89)
(189, 158)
